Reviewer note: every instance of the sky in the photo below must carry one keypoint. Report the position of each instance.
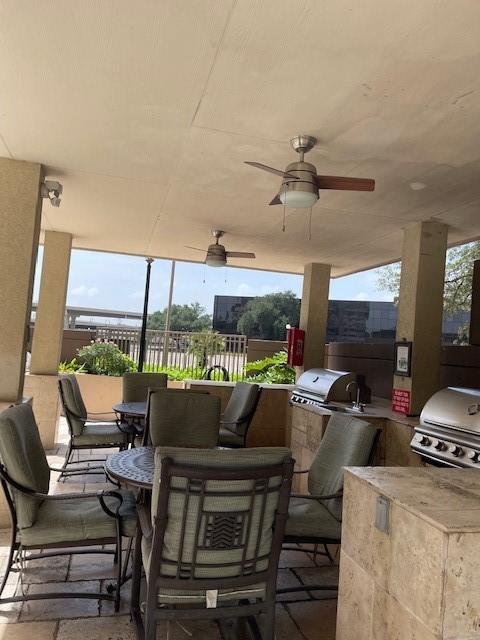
(113, 281)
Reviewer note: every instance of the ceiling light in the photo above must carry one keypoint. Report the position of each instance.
(215, 261)
(417, 186)
(297, 199)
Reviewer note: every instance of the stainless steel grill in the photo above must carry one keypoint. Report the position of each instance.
(321, 386)
(449, 430)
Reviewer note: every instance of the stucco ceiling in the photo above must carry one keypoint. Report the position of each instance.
(146, 111)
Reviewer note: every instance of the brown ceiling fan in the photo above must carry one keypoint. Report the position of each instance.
(301, 183)
(216, 254)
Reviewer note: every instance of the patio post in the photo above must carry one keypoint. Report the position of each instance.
(20, 211)
(166, 340)
(420, 311)
(143, 334)
(313, 314)
(41, 383)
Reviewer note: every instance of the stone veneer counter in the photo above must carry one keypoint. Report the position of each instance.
(421, 579)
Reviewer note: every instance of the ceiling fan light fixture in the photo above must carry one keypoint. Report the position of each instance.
(215, 261)
(297, 199)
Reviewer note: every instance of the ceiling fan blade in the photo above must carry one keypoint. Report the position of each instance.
(276, 200)
(239, 254)
(195, 248)
(343, 183)
(277, 172)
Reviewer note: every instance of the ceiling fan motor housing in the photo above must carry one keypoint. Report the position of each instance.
(216, 256)
(306, 184)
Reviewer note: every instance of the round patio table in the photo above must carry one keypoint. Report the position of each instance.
(131, 409)
(133, 467)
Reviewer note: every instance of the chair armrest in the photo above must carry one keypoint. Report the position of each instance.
(308, 496)
(144, 520)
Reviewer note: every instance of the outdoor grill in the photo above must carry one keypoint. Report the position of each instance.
(321, 386)
(449, 430)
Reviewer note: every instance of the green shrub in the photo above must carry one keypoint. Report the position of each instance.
(205, 344)
(272, 370)
(71, 367)
(104, 359)
(179, 373)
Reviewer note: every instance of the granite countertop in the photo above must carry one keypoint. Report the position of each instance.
(449, 499)
(221, 383)
(378, 408)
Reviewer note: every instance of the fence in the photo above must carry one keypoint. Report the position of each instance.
(181, 349)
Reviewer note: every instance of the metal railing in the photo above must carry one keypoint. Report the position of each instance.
(174, 349)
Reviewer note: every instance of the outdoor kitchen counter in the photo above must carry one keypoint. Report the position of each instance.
(418, 577)
(309, 423)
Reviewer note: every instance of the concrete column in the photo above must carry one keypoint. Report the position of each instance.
(420, 308)
(41, 383)
(314, 313)
(47, 339)
(20, 214)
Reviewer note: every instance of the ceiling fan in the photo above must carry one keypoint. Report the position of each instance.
(216, 253)
(301, 183)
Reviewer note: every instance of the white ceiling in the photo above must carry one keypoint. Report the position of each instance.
(146, 111)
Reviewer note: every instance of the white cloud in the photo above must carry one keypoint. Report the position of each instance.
(361, 295)
(245, 289)
(83, 290)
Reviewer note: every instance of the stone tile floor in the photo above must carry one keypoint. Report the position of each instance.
(72, 619)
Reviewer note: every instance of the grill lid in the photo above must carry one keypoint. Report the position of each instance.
(325, 384)
(453, 407)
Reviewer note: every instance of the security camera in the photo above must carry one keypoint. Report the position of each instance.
(52, 190)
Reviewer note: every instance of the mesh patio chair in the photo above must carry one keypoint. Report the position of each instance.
(316, 518)
(40, 521)
(182, 418)
(211, 541)
(135, 388)
(86, 432)
(135, 385)
(236, 420)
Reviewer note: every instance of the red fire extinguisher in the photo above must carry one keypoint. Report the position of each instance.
(296, 340)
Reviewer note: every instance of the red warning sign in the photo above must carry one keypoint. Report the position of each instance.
(401, 401)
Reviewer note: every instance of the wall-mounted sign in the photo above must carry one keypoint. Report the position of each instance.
(401, 401)
(402, 359)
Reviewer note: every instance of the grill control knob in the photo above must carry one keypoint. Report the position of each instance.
(473, 455)
(456, 450)
(438, 444)
(421, 439)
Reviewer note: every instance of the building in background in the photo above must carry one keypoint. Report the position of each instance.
(348, 320)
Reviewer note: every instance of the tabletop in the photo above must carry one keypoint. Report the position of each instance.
(132, 409)
(132, 467)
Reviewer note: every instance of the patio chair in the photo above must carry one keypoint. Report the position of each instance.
(238, 416)
(135, 385)
(135, 388)
(316, 518)
(40, 521)
(182, 418)
(211, 541)
(86, 432)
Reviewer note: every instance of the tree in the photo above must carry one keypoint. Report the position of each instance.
(184, 317)
(266, 317)
(205, 344)
(457, 294)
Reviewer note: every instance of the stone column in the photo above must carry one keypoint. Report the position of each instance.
(41, 383)
(47, 339)
(420, 308)
(314, 313)
(20, 214)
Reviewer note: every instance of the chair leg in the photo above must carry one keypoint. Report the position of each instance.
(119, 569)
(136, 573)
(9, 561)
(66, 461)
